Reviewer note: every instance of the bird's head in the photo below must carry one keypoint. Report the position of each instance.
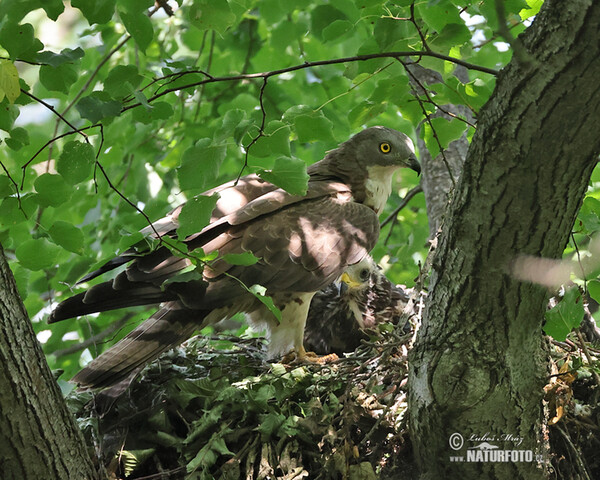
(366, 162)
(384, 147)
(357, 278)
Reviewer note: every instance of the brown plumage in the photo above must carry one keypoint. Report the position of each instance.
(342, 314)
(303, 243)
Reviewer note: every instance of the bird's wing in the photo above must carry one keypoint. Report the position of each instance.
(233, 196)
(300, 249)
(235, 207)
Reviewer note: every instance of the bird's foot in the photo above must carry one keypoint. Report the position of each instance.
(302, 356)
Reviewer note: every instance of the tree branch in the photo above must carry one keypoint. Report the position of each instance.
(55, 112)
(335, 61)
(407, 198)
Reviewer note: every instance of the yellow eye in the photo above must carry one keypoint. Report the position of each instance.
(385, 147)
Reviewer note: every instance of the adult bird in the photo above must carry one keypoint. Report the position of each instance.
(303, 243)
(342, 313)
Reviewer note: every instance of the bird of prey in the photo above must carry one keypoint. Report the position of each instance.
(303, 243)
(342, 313)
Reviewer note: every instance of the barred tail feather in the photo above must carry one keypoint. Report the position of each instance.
(104, 297)
(167, 328)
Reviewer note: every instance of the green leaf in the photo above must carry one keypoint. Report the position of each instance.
(275, 141)
(52, 190)
(439, 15)
(246, 258)
(9, 81)
(97, 11)
(390, 34)
(260, 293)
(365, 112)
(135, 6)
(76, 162)
(97, 106)
(139, 27)
(235, 124)
(122, 80)
(593, 288)
(336, 29)
(313, 127)
(565, 316)
(56, 59)
(19, 137)
(589, 215)
(200, 165)
(37, 254)
(157, 111)
(12, 213)
(53, 8)
(452, 35)
(270, 423)
(211, 15)
(6, 186)
(8, 115)
(446, 131)
(67, 236)
(58, 79)
(195, 215)
(289, 174)
(19, 40)
(322, 17)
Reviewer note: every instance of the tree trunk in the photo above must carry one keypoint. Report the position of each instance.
(38, 436)
(479, 365)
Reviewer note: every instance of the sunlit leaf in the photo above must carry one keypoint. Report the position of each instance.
(9, 81)
(200, 165)
(76, 162)
(139, 27)
(209, 15)
(289, 174)
(52, 190)
(67, 236)
(37, 254)
(565, 316)
(245, 258)
(98, 11)
(195, 215)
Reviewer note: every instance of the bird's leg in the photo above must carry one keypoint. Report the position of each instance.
(300, 355)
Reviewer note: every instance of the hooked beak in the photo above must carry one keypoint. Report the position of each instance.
(413, 164)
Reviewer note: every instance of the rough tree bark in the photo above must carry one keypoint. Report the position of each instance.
(38, 435)
(478, 366)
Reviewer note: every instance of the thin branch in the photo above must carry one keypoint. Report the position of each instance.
(208, 67)
(435, 104)
(428, 120)
(335, 61)
(55, 112)
(138, 209)
(355, 85)
(12, 180)
(517, 46)
(261, 132)
(407, 198)
(414, 22)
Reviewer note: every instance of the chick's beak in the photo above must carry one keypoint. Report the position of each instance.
(345, 278)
